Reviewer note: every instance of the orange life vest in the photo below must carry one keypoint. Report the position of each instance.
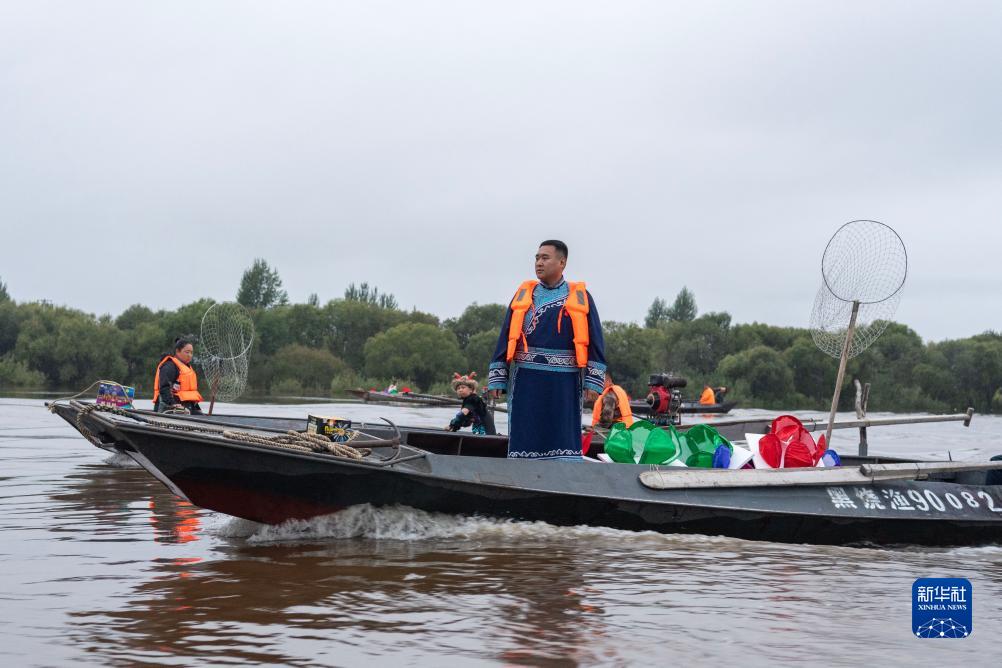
(623, 402)
(708, 397)
(186, 378)
(576, 307)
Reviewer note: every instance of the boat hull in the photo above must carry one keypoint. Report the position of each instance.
(268, 485)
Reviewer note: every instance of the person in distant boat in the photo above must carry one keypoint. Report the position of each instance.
(175, 384)
(612, 406)
(392, 389)
(474, 411)
(549, 352)
(712, 395)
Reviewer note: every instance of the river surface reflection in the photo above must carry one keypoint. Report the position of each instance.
(101, 565)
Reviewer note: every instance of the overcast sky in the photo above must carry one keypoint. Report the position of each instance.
(149, 151)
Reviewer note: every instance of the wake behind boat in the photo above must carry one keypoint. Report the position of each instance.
(868, 500)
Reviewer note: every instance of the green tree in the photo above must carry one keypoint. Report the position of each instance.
(759, 372)
(477, 318)
(978, 366)
(746, 336)
(355, 322)
(308, 325)
(14, 373)
(633, 354)
(134, 316)
(261, 287)
(9, 326)
(312, 368)
(142, 348)
(696, 347)
(934, 377)
(813, 371)
(412, 350)
(479, 352)
(185, 321)
(415, 315)
(71, 348)
(684, 307)
(363, 293)
(657, 314)
(271, 330)
(4, 295)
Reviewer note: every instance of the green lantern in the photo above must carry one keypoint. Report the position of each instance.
(698, 445)
(641, 443)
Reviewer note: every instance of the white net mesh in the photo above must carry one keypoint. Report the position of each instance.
(865, 262)
(830, 321)
(226, 338)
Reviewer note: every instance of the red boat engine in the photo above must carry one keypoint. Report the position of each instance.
(665, 398)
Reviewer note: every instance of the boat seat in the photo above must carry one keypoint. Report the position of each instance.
(451, 443)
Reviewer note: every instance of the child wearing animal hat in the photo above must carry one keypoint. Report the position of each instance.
(473, 411)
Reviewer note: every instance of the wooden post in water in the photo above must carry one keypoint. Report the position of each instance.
(841, 371)
(862, 398)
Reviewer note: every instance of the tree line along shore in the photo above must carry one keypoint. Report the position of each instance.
(365, 340)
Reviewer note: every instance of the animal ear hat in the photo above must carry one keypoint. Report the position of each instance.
(469, 380)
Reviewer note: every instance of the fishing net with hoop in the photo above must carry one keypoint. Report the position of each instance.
(863, 271)
(226, 337)
(864, 262)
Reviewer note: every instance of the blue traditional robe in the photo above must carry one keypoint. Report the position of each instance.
(544, 383)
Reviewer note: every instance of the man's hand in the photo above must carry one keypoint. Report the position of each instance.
(496, 394)
(591, 395)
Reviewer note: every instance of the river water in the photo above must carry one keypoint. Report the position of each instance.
(99, 564)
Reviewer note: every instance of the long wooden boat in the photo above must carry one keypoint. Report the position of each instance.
(637, 406)
(868, 500)
(409, 399)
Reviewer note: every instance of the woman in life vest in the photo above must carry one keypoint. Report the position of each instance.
(612, 406)
(175, 384)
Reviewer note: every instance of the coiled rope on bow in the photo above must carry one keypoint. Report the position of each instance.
(297, 440)
(87, 410)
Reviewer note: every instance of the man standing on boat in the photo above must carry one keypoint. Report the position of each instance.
(549, 352)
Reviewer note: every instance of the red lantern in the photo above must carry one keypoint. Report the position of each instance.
(789, 445)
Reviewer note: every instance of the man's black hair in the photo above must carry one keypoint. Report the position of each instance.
(559, 245)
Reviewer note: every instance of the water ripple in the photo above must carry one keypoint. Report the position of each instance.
(101, 564)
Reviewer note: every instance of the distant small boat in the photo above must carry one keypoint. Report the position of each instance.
(641, 407)
(409, 398)
(688, 407)
(413, 399)
(638, 406)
